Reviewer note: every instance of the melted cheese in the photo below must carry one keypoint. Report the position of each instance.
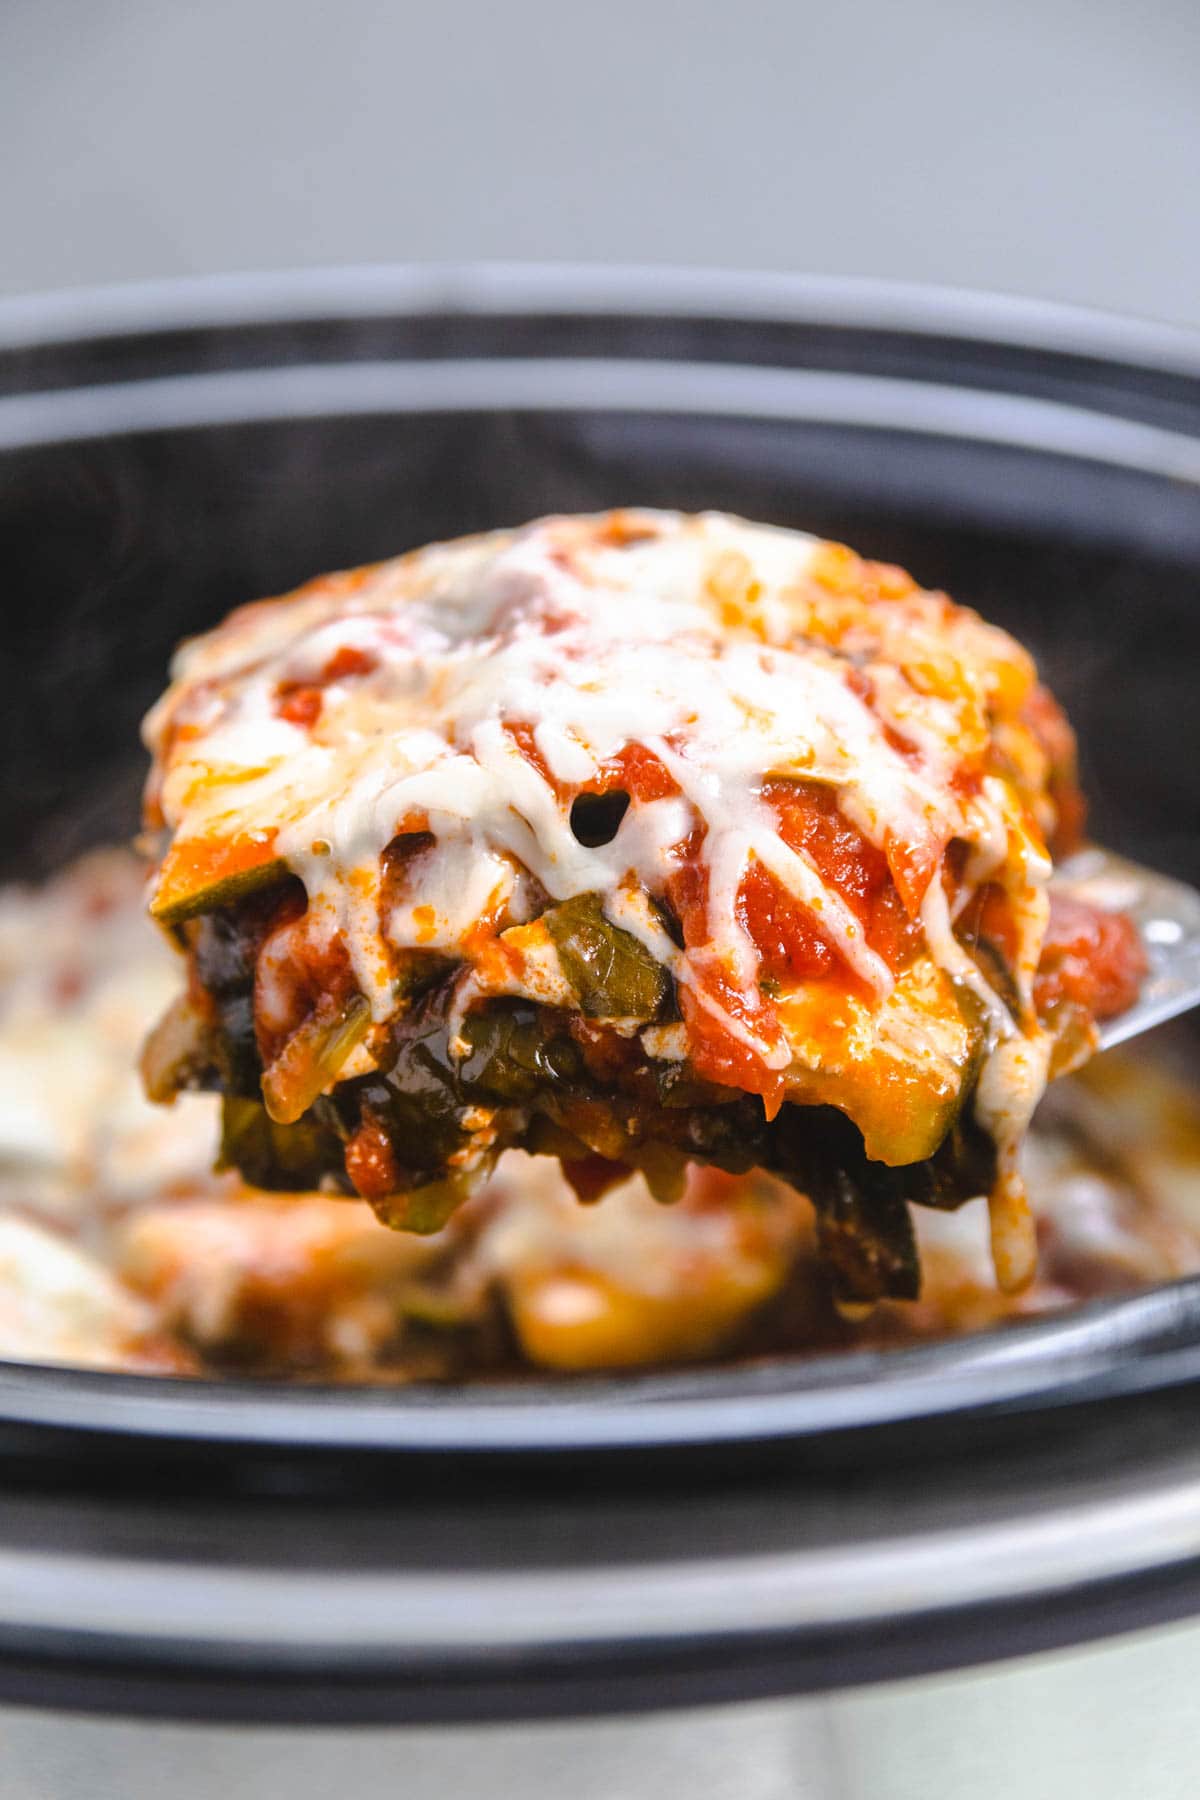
(730, 651)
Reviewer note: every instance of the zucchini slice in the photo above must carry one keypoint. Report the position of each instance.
(199, 875)
(614, 976)
(900, 1069)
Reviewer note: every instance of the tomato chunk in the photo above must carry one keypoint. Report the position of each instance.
(785, 933)
(371, 1162)
(719, 1053)
(1091, 959)
(300, 706)
(811, 821)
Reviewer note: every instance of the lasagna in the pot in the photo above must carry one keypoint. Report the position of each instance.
(641, 841)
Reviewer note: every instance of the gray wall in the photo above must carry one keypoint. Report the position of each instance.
(1050, 146)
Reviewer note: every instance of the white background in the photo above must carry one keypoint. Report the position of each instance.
(1044, 146)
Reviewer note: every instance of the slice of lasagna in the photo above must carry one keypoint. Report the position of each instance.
(636, 840)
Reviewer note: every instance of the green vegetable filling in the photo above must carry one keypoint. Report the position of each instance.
(452, 1094)
(613, 975)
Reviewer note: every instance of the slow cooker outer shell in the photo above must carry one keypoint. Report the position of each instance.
(371, 1598)
(165, 454)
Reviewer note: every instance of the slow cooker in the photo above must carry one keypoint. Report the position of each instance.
(964, 1568)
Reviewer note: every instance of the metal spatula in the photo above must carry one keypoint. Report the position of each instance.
(1167, 914)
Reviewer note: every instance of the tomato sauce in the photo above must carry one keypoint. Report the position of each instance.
(371, 1162)
(300, 705)
(790, 942)
(300, 702)
(721, 1055)
(1090, 959)
(305, 977)
(811, 822)
(635, 771)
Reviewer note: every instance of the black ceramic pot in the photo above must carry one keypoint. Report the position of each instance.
(443, 1558)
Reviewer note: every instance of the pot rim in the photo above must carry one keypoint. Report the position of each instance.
(371, 290)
